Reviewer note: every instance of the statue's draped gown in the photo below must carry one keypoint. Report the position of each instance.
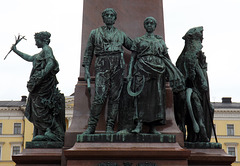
(152, 65)
(44, 104)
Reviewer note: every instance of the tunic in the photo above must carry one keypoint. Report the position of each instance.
(107, 46)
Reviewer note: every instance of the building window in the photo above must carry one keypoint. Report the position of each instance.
(231, 151)
(0, 128)
(16, 150)
(230, 129)
(0, 152)
(17, 128)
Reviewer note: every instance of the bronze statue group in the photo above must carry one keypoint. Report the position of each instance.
(149, 69)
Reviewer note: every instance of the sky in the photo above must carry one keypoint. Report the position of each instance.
(63, 19)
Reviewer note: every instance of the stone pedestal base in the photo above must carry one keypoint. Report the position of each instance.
(124, 154)
(210, 157)
(38, 157)
(127, 154)
(208, 154)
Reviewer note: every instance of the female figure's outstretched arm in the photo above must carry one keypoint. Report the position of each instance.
(24, 56)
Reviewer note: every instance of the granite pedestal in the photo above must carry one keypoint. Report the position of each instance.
(123, 150)
(210, 157)
(39, 157)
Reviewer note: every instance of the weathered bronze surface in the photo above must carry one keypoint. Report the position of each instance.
(106, 43)
(46, 105)
(124, 138)
(44, 144)
(129, 19)
(193, 107)
(202, 145)
(149, 66)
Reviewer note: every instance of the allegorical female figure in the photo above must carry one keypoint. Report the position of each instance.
(46, 105)
(149, 66)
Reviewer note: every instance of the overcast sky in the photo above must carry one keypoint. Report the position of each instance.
(63, 19)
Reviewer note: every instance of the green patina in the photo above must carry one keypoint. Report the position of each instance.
(46, 105)
(125, 138)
